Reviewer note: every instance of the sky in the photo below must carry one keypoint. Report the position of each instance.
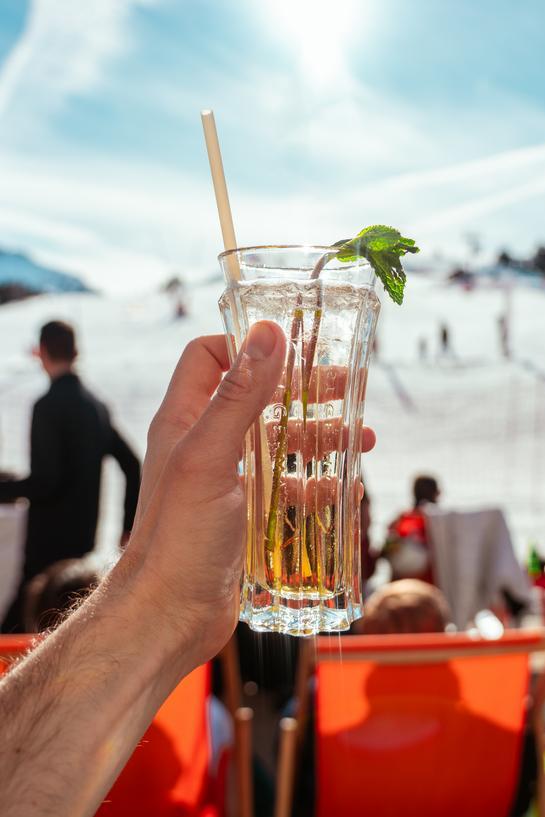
(428, 116)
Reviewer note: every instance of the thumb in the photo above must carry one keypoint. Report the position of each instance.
(244, 391)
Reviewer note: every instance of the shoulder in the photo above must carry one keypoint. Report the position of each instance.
(46, 414)
(410, 523)
(44, 404)
(88, 397)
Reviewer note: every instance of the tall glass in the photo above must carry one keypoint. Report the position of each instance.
(302, 463)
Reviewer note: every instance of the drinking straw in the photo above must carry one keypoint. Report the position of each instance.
(220, 186)
(230, 243)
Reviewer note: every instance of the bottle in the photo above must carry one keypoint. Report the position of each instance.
(533, 565)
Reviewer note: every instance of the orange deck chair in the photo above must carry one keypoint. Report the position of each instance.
(167, 774)
(420, 725)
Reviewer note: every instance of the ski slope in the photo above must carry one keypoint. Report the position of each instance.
(474, 420)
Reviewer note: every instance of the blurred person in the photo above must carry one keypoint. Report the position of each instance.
(368, 557)
(405, 606)
(181, 309)
(409, 606)
(71, 433)
(425, 489)
(413, 606)
(444, 339)
(445, 342)
(407, 546)
(422, 349)
(51, 594)
(177, 290)
(503, 332)
(168, 605)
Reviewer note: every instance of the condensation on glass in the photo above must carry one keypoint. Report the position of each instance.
(302, 463)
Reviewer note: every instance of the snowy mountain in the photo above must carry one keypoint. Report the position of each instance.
(26, 276)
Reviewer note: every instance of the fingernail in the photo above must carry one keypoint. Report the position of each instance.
(260, 342)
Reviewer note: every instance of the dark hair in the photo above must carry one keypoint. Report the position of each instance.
(59, 340)
(50, 595)
(425, 489)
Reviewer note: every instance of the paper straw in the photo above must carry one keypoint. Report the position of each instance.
(230, 243)
(218, 179)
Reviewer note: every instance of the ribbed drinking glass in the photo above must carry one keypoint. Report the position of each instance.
(302, 461)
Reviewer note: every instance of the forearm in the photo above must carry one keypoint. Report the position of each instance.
(130, 465)
(73, 711)
(36, 488)
(14, 489)
(132, 488)
(76, 707)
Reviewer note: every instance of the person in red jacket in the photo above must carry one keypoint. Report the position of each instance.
(407, 547)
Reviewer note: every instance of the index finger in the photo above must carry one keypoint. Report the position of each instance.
(195, 379)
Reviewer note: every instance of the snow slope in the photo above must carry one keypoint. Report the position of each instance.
(476, 421)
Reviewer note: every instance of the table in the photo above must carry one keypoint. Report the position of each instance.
(12, 534)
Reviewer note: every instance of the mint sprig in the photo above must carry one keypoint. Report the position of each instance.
(383, 247)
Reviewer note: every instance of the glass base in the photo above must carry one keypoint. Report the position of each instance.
(303, 618)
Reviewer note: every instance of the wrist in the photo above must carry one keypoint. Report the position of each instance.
(162, 632)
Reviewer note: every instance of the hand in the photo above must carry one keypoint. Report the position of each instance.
(189, 531)
(190, 525)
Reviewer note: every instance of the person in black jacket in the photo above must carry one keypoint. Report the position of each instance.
(70, 436)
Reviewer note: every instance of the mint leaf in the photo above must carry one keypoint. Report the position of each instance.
(383, 247)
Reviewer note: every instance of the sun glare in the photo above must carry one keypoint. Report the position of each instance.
(320, 32)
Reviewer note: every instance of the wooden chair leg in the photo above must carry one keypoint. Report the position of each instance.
(305, 668)
(231, 675)
(286, 767)
(243, 761)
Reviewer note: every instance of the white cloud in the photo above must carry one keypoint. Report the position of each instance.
(490, 167)
(359, 135)
(475, 208)
(127, 227)
(63, 50)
